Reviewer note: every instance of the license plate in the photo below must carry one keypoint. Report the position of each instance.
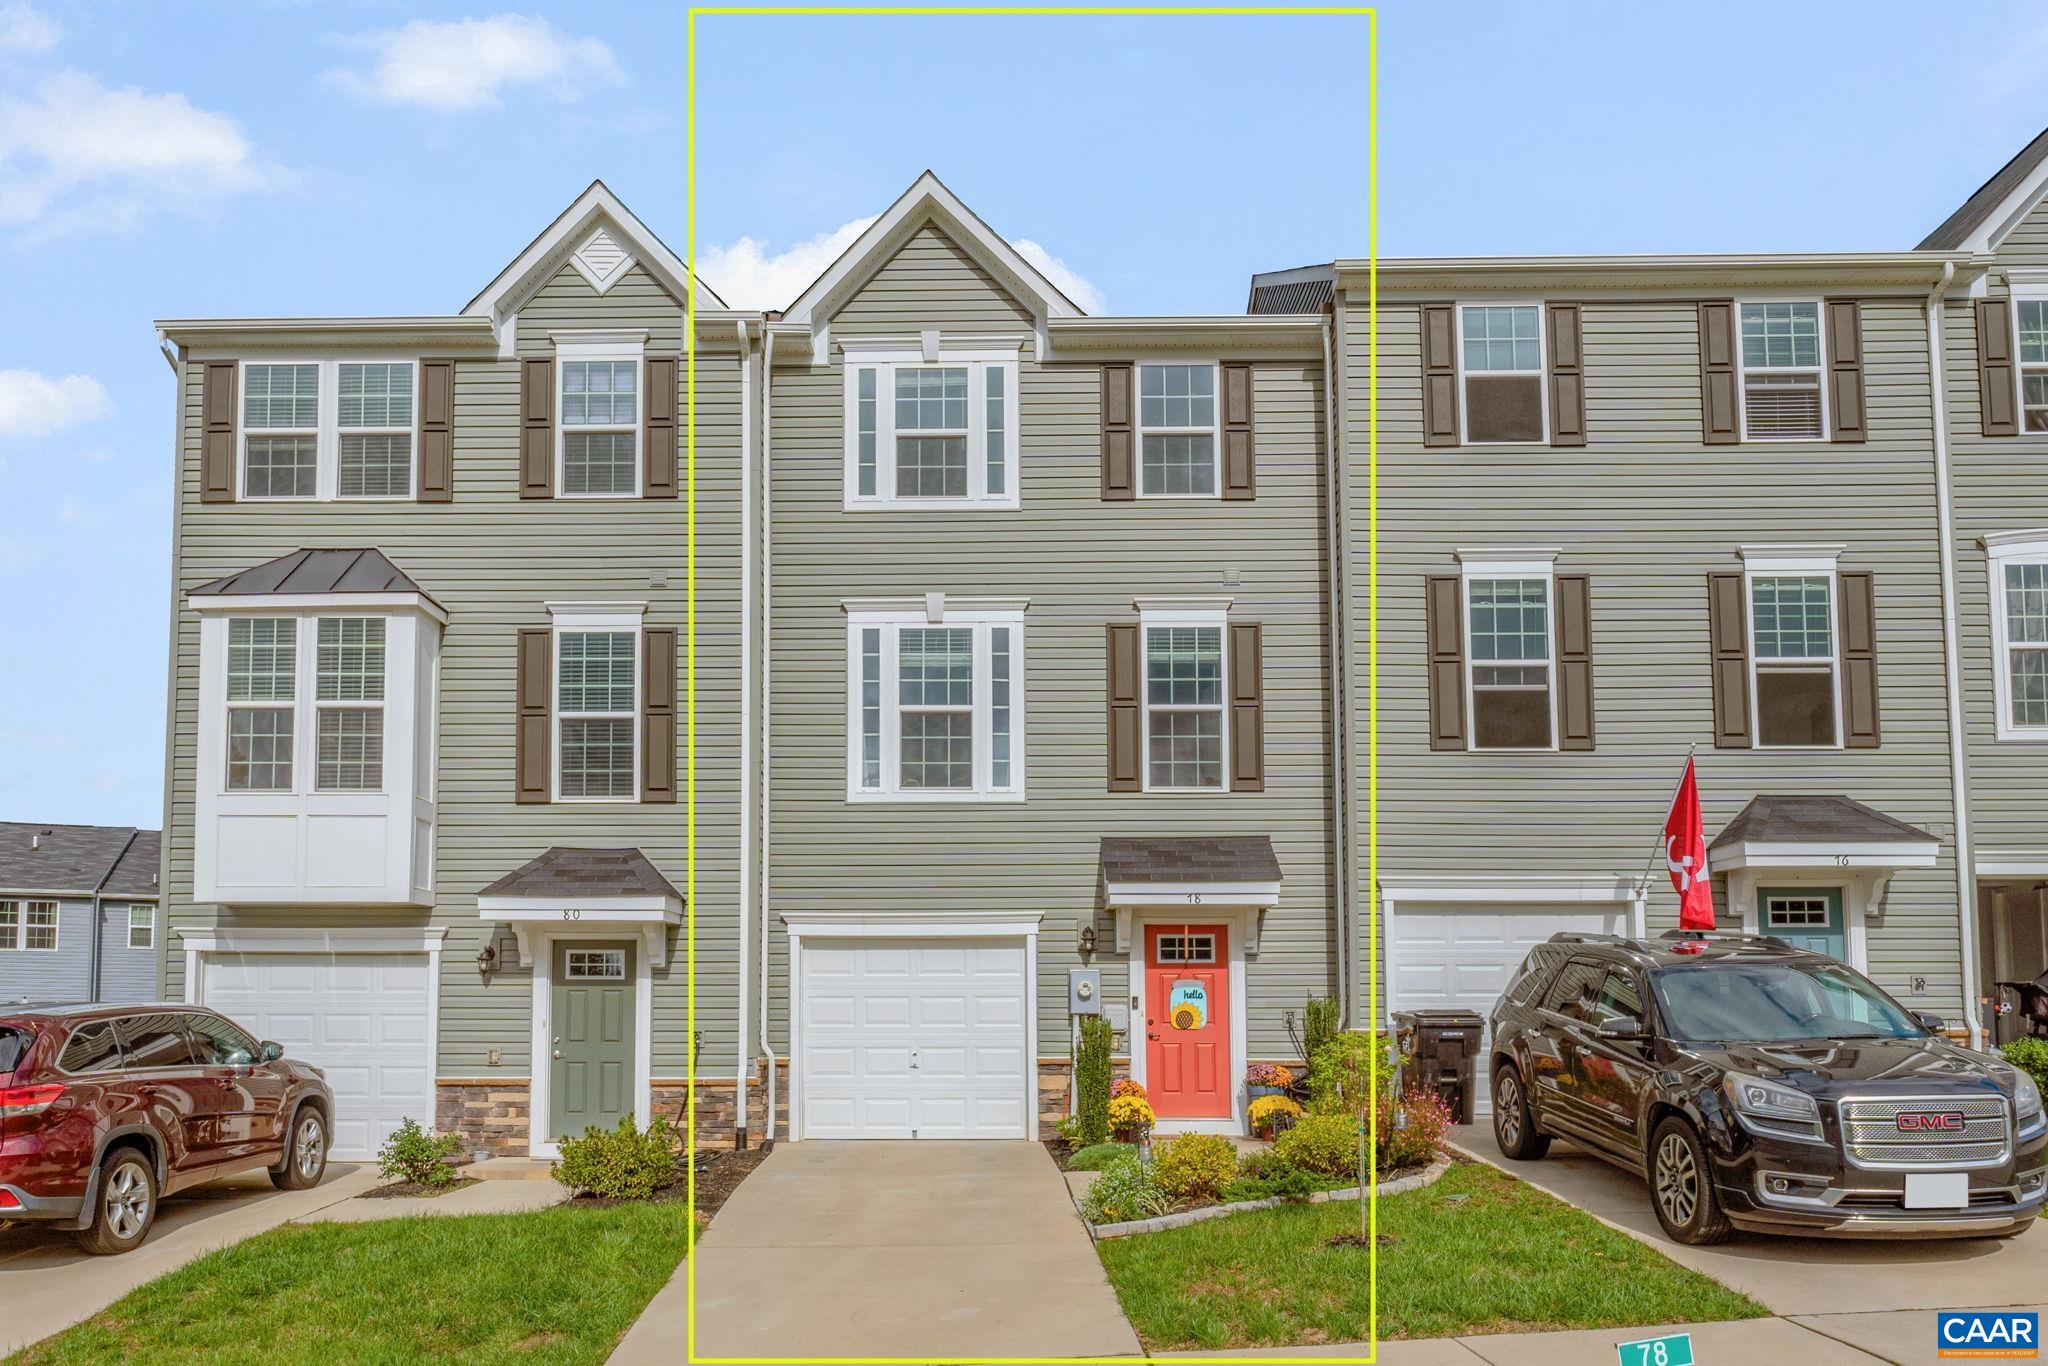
(1937, 1190)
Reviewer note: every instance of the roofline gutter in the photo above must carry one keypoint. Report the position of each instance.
(1944, 501)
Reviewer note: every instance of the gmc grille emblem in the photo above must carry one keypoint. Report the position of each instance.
(1934, 1121)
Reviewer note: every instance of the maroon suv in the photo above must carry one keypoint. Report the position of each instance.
(104, 1109)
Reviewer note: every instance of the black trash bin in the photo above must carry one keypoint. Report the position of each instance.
(1440, 1049)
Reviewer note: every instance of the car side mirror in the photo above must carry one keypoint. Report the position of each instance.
(1932, 1022)
(270, 1052)
(1620, 1027)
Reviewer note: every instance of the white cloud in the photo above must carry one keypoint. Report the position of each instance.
(747, 275)
(37, 405)
(1071, 282)
(467, 63)
(22, 30)
(75, 155)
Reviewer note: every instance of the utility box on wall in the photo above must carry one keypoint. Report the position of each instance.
(1084, 991)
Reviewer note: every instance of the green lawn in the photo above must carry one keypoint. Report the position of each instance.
(553, 1285)
(1478, 1252)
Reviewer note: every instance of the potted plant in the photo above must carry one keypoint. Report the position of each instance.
(1272, 1114)
(1267, 1079)
(1130, 1113)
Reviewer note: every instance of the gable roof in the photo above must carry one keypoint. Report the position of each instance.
(136, 874)
(316, 571)
(596, 208)
(1986, 216)
(73, 860)
(929, 201)
(1189, 859)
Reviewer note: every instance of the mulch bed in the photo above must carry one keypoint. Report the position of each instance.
(1061, 1150)
(719, 1173)
(412, 1190)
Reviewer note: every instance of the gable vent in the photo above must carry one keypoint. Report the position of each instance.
(601, 260)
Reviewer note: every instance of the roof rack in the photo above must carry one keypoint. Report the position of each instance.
(1728, 937)
(1590, 937)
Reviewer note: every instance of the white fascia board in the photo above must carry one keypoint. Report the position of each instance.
(248, 603)
(927, 198)
(1785, 856)
(2000, 545)
(1508, 561)
(2012, 863)
(311, 939)
(547, 252)
(1214, 895)
(593, 911)
(920, 608)
(1998, 224)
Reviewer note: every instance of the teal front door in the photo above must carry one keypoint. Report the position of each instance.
(1804, 917)
(590, 1029)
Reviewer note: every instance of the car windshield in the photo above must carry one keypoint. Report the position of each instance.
(1777, 1003)
(13, 1044)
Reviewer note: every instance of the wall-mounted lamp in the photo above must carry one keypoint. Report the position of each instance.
(487, 959)
(1087, 940)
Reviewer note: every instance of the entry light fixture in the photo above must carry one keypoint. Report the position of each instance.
(1087, 939)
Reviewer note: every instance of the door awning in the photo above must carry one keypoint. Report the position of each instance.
(589, 891)
(1810, 832)
(1238, 874)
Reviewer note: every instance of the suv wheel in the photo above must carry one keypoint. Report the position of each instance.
(124, 1207)
(1513, 1127)
(305, 1153)
(1682, 1186)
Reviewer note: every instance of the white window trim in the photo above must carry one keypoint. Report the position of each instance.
(1782, 562)
(1214, 431)
(1522, 562)
(981, 616)
(2024, 286)
(2001, 549)
(600, 348)
(20, 942)
(343, 704)
(586, 618)
(149, 925)
(1164, 612)
(326, 431)
(1820, 373)
(1541, 372)
(884, 361)
(305, 706)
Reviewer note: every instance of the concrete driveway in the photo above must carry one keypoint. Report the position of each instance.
(931, 1250)
(1798, 1276)
(47, 1284)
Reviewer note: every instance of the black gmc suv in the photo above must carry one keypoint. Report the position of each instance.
(1764, 1087)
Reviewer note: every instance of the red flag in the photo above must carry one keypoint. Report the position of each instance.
(1685, 854)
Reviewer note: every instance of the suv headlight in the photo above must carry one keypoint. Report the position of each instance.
(2026, 1102)
(1774, 1111)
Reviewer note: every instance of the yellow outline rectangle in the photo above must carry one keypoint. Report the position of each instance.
(1330, 389)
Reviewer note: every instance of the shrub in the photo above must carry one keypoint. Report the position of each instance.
(1340, 1073)
(1097, 1156)
(418, 1157)
(1325, 1143)
(1124, 1190)
(1267, 1109)
(2030, 1055)
(1069, 1129)
(1091, 1081)
(1262, 1163)
(1194, 1166)
(1288, 1183)
(1319, 1024)
(1429, 1119)
(621, 1163)
(1129, 1112)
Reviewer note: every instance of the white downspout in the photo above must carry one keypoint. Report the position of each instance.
(743, 1047)
(767, 690)
(1966, 870)
(1333, 493)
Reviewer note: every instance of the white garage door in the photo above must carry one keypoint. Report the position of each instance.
(1464, 957)
(360, 1017)
(915, 1038)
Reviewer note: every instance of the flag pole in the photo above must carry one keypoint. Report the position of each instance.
(1650, 866)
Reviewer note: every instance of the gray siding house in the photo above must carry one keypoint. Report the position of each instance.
(78, 913)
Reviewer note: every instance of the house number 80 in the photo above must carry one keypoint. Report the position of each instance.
(572, 914)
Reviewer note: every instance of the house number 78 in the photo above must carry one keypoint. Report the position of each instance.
(1194, 898)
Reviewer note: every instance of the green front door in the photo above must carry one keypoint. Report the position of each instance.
(591, 1035)
(1804, 917)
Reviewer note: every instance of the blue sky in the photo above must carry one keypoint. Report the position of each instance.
(265, 157)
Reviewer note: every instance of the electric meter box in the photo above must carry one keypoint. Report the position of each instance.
(1084, 991)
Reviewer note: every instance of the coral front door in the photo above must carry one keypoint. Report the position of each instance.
(1187, 1021)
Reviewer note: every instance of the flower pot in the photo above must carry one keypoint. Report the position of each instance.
(1254, 1092)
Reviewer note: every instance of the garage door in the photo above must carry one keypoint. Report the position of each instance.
(360, 1017)
(1465, 956)
(914, 1038)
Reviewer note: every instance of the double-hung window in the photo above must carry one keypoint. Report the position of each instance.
(262, 693)
(328, 429)
(931, 429)
(1508, 618)
(935, 703)
(348, 704)
(2030, 317)
(2019, 620)
(1782, 357)
(600, 427)
(1178, 441)
(280, 429)
(141, 926)
(1792, 658)
(597, 712)
(30, 925)
(373, 421)
(1187, 744)
(1500, 351)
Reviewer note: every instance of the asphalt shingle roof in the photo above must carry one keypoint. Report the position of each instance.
(1958, 226)
(72, 859)
(1226, 858)
(584, 872)
(1816, 820)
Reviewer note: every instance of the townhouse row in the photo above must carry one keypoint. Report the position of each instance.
(987, 640)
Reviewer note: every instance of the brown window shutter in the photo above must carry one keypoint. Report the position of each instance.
(1845, 370)
(1997, 401)
(1858, 613)
(658, 432)
(1720, 404)
(533, 744)
(1730, 644)
(537, 429)
(1574, 662)
(1126, 745)
(1439, 377)
(1239, 472)
(658, 715)
(1119, 459)
(437, 432)
(1567, 376)
(217, 440)
(1446, 661)
(1247, 709)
